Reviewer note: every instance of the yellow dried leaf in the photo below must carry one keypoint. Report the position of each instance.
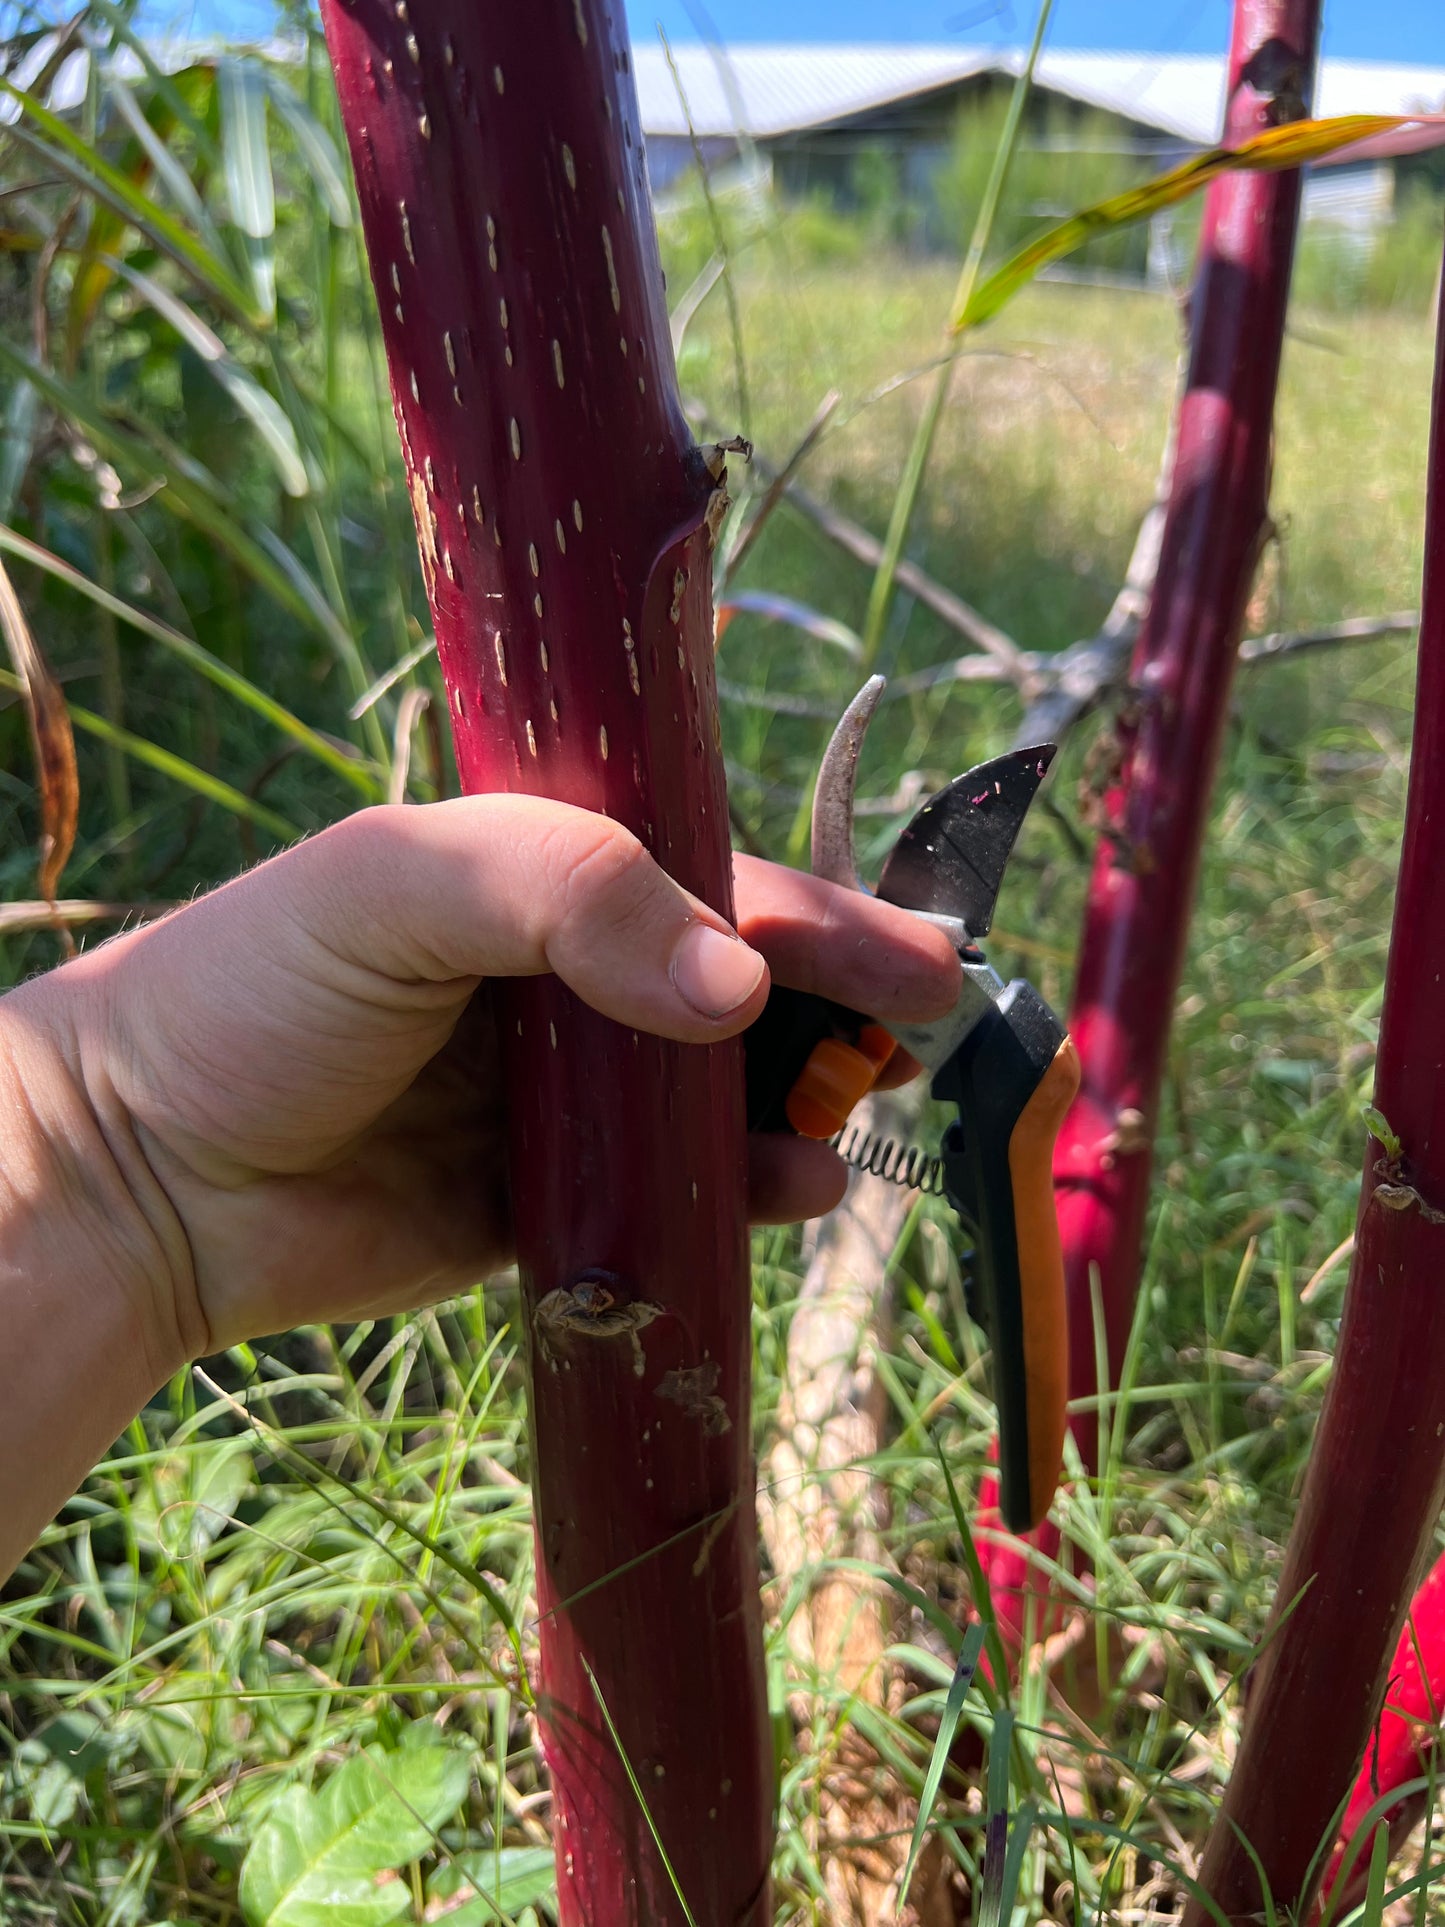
(57, 776)
(1293, 145)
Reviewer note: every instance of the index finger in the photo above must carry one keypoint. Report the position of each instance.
(844, 944)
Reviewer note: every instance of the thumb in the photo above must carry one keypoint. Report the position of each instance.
(512, 886)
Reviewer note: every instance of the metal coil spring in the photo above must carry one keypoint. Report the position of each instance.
(895, 1163)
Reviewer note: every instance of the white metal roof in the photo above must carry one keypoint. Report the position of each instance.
(775, 90)
(768, 91)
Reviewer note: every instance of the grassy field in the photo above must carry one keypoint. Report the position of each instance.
(236, 1604)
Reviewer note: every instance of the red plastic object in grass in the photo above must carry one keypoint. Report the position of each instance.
(1399, 1749)
(1166, 747)
(563, 518)
(1376, 1476)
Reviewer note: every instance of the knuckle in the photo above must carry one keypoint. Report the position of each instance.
(602, 879)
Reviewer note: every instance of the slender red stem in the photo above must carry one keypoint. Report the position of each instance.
(1141, 894)
(561, 510)
(1376, 1477)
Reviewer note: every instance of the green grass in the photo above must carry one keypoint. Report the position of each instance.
(322, 1544)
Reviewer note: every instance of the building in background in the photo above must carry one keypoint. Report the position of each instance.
(843, 123)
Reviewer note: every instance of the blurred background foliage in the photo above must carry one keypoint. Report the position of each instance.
(200, 507)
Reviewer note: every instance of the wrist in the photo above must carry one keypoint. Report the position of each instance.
(87, 1306)
(85, 1224)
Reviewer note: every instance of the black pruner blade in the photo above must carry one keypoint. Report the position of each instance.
(950, 860)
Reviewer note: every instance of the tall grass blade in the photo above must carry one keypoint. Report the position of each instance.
(720, 242)
(262, 409)
(963, 1674)
(167, 763)
(880, 596)
(169, 171)
(796, 615)
(58, 146)
(192, 492)
(22, 414)
(250, 185)
(166, 85)
(1278, 148)
(978, 1583)
(636, 1786)
(348, 767)
(1004, 1845)
(316, 149)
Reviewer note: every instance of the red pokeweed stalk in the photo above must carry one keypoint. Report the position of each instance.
(564, 516)
(1376, 1477)
(1141, 894)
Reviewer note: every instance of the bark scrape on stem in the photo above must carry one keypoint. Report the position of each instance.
(694, 1388)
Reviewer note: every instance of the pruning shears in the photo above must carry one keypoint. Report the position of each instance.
(1001, 1056)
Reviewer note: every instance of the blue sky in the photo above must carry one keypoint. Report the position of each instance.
(1402, 30)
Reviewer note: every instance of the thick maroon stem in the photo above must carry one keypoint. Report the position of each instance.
(1141, 894)
(1377, 1472)
(562, 512)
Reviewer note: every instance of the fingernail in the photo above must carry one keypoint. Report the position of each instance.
(714, 972)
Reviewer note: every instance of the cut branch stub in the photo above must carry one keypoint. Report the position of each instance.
(564, 520)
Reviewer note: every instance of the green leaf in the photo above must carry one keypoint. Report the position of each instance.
(171, 87)
(322, 1859)
(83, 1741)
(1004, 1845)
(49, 1787)
(1374, 1909)
(221, 674)
(316, 149)
(495, 1883)
(188, 489)
(22, 414)
(64, 150)
(1379, 1126)
(952, 1708)
(167, 763)
(1278, 148)
(193, 1498)
(263, 410)
(250, 187)
(178, 183)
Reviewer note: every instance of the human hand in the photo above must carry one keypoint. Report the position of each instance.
(297, 1081)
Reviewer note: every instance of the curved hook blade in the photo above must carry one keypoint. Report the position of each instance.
(950, 859)
(833, 853)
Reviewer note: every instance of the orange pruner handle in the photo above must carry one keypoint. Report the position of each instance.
(835, 1077)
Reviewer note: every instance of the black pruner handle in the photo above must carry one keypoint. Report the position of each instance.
(809, 1061)
(1013, 1078)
